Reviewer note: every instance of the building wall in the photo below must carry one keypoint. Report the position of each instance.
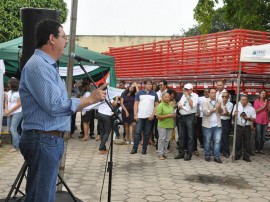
(101, 43)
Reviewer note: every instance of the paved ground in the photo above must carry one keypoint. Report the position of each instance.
(142, 178)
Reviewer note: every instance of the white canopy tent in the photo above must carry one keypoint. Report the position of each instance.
(256, 54)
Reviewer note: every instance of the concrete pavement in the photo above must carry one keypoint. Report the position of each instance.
(141, 178)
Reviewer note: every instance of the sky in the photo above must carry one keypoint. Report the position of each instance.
(132, 17)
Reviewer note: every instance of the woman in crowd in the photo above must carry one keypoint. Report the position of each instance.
(262, 106)
(13, 111)
(86, 116)
(165, 115)
(127, 103)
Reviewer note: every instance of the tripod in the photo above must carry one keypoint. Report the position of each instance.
(115, 116)
(18, 181)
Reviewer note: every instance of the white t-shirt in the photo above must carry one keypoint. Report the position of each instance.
(13, 98)
(229, 107)
(186, 107)
(84, 110)
(250, 112)
(105, 109)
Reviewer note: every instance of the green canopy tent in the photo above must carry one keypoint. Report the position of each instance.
(10, 52)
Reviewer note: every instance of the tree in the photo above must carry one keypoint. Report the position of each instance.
(10, 22)
(235, 14)
(194, 31)
(203, 13)
(247, 14)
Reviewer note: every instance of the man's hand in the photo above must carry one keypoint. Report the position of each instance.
(99, 94)
(151, 117)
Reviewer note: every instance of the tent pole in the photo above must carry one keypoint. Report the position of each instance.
(72, 35)
(236, 109)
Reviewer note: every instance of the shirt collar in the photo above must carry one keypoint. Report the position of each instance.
(47, 58)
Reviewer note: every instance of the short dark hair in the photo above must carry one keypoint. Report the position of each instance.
(13, 84)
(122, 81)
(165, 83)
(44, 29)
(146, 81)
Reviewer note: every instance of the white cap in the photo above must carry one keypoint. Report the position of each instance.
(188, 86)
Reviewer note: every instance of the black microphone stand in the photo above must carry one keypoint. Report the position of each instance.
(116, 117)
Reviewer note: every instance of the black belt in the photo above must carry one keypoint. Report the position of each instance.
(243, 126)
(52, 132)
(186, 115)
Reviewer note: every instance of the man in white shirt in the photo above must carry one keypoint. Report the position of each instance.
(163, 87)
(246, 115)
(186, 121)
(211, 125)
(227, 107)
(220, 89)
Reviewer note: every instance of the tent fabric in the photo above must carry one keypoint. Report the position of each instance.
(10, 51)
(259, 53)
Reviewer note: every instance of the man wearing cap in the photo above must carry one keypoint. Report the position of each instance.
(186, 121)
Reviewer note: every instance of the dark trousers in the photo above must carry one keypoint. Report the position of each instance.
(226, 129)
(185, 125)
(92, 122)
(243, 134)
(105, 124)
(73, 123)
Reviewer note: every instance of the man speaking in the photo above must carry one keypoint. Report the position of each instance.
(47, 111)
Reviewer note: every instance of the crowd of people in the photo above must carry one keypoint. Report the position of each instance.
(156, 112)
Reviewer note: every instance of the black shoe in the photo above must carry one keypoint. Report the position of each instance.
(251, 153)
(217, 160)
(133, 151)
(226, 155)
(179, 156)
(92, 137)
(207, 158)
(187, 158)
(143, 151)
(201, 146)
(247, 159)
(237, 158)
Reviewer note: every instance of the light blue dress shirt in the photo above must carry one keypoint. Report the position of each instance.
(45, 103)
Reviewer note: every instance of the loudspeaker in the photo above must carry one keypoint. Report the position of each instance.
(30, 17)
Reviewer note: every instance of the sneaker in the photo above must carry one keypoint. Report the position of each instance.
(161, 157)
(133, 151)
(13, 150)
(132, 143)
(261, 152)
(165, 156)
(103, 151)
(143, 151)
(196, 153)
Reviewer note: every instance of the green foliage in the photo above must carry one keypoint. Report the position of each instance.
(247, 14)
(194, 31)
(10, 21)
(235, 14)
(203, 13)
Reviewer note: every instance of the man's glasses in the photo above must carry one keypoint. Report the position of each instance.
(224, 96)
(64, 37)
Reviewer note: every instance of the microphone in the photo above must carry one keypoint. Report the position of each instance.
(79, 58)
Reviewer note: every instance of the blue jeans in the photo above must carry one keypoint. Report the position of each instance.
(145, 126)
(105, 125)
(261, 130)
(186, 127)
(42, 153)
(13, 123)
(209, 134)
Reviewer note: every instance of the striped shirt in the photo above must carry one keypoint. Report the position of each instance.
(45, 103)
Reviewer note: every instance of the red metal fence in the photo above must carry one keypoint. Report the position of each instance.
(200, 59)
